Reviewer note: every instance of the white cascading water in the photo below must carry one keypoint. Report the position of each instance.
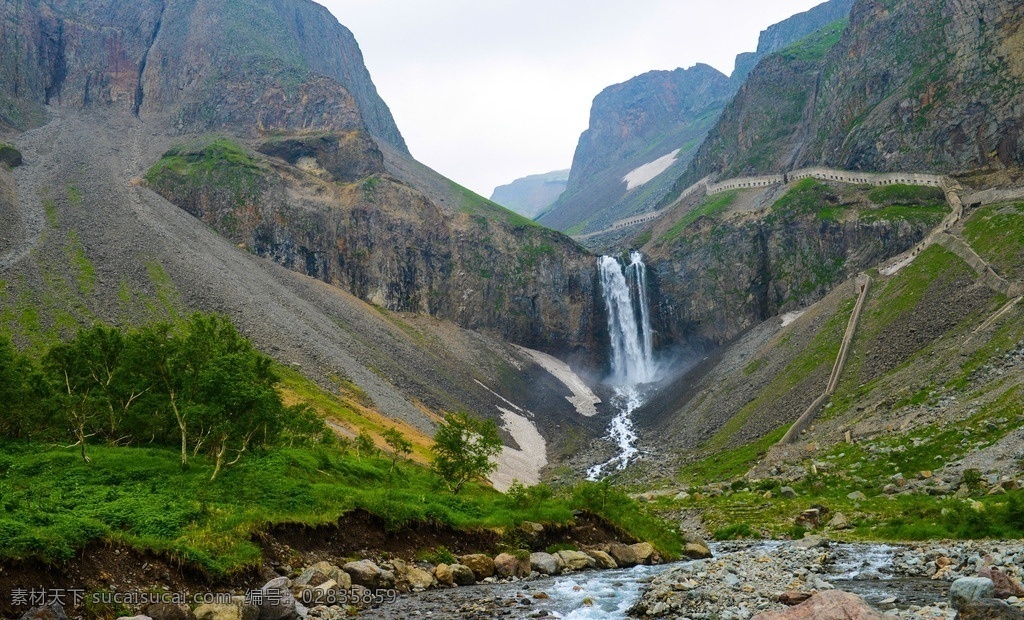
(629, 328)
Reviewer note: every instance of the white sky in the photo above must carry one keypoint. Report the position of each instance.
(487, 91)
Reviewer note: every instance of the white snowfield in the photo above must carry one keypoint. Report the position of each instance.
(583, 398)
(522, 465)
(648, 171)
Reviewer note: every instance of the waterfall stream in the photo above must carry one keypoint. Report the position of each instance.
(632, 351)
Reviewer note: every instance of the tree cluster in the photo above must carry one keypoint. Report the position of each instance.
(199, 386)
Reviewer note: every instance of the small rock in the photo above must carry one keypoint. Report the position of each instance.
(857, 496)
(167, 611)
(794, 597)
(787, 492)
(52, 611)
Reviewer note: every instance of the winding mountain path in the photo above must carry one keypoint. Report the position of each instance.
(760, 182)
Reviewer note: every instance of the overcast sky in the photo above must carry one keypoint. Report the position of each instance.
(487, 91)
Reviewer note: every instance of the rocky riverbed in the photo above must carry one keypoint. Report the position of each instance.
(745, 579)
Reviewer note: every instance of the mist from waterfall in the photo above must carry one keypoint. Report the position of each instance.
(632, 351)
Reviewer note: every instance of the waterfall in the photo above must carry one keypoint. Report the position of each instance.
(632, 349)
(629, 320)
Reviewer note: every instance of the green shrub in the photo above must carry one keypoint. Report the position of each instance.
(440, 555)
(9, 156)
(734, 532)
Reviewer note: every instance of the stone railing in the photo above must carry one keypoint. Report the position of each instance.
(769, 180)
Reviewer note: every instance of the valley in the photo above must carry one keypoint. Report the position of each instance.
(765, 324)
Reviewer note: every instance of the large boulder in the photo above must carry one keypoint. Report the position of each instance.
(645, 553)
(839, 522)
(508, 565)
(275, 601)
(443, 574)
(988, 609)
(418, 578)
(1003, 585)
(331, 571)
(576, 560)
(602, 559)
(312, 577)
(967, 589)
(809, 542)
(481, 565)
(696, 550)
(827, 605)
(624, 555)
(544, 563)
(367, 574)
(463, 575)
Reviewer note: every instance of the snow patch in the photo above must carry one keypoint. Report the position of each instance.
(524, 464)
(648, 171)
(583, 398)
(789, 317)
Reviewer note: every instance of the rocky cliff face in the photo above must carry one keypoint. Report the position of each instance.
(909, 86)
(284, 77)
(247, 65)
(651, 115)
(632, 124)
(530, 195)
(722, 273)
(788, 32)
(317, 207)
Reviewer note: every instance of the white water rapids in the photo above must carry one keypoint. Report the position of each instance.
(632, 351)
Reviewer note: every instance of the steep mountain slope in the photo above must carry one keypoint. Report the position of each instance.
(788, 32)
(532, 194)
(932, 382)
(258, 118)
(908, 86)
(198, 64)
(632, 124)
(644, 132)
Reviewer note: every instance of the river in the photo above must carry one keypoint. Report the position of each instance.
(863, 569)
